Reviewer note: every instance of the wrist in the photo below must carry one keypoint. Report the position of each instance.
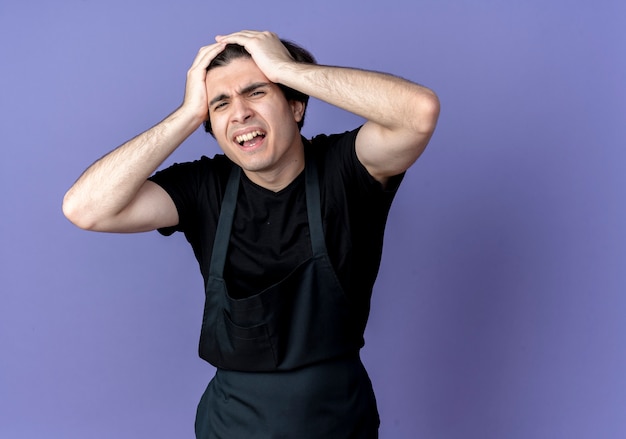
(191, 115)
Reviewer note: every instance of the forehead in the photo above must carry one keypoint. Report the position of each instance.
(235, 75)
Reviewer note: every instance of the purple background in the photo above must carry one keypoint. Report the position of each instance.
(500, 307)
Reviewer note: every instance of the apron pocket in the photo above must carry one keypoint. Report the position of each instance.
(250, 348)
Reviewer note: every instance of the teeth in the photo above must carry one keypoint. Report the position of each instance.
(248, 136)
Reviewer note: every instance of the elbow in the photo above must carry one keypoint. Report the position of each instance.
(76, 213)
(429, 108)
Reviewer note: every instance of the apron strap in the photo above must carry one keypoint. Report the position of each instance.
(313, 209)
(225, 224)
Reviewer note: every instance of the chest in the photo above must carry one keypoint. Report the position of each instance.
(269, 238)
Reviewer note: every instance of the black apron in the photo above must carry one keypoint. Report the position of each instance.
(287, 358)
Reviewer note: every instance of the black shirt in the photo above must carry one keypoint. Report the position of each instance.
(270, 234)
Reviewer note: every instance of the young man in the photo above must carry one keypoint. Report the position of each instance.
(288, 231)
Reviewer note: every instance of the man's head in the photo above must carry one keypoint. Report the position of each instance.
(235, 51)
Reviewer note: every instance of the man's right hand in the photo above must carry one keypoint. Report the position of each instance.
(196, 101)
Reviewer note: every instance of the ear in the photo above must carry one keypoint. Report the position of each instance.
(297, 108)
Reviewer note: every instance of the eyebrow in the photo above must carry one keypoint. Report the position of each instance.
(247, 89)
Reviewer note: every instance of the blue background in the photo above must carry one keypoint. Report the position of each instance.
(500, 306)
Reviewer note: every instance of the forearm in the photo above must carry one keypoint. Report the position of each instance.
(111, 183)
(389, 101)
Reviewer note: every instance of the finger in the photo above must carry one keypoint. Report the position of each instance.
(242, 33)
(246, 37)
(206, 54)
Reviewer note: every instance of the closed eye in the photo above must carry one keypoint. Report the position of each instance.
(219, 105)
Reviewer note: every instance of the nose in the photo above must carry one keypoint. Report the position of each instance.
(240, 110)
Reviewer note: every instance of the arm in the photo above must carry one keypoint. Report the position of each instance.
(113, 194)
(401, 116)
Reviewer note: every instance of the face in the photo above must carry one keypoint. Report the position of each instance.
(253, 123)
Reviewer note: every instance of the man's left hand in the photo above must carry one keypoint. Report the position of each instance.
(266, 49)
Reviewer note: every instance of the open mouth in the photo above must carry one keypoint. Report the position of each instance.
(250, 139)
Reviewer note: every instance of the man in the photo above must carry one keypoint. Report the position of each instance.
(287, 231)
